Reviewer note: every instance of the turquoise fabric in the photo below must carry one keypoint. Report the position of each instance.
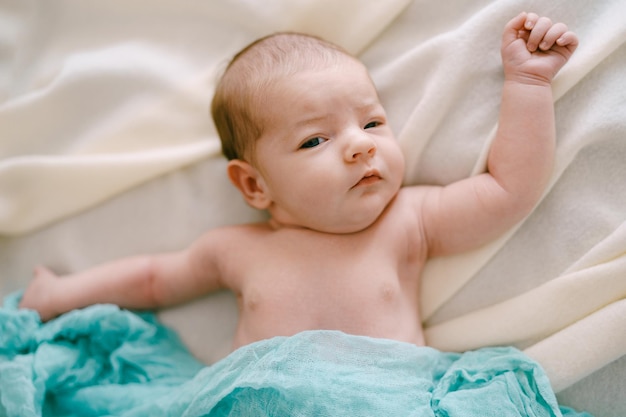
(103, 361)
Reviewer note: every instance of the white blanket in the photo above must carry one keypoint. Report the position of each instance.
(107, 149)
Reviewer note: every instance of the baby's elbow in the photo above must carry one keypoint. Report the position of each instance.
(523, 202)
(506, 206)
(161, 288)
(517, 208)
(149, 292)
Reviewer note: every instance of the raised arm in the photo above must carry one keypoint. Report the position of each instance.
(521, 157)
(139, 282)
(473, 211)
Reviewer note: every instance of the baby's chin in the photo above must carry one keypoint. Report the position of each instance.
(358, 219)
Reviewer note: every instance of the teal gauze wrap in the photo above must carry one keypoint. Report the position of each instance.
(103, 361)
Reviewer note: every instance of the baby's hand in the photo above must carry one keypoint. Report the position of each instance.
(38, 294)
(534, 49)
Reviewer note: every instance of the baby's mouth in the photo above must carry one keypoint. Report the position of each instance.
(368, 179)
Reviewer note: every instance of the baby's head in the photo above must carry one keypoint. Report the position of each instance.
(306, 135)
(240, 96)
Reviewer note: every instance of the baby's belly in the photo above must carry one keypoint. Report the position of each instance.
(395, 319)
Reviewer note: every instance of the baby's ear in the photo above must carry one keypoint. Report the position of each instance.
(250, 183)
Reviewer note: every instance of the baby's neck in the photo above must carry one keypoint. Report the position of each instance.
(274, 224)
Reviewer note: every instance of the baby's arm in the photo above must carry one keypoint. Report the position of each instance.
(140, 282)
(470, 212)
(521, 157)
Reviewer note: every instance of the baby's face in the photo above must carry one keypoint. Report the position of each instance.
(327, 156)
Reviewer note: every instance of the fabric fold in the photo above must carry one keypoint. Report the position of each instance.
(103, 361)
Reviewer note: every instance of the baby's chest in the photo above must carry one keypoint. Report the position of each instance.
(373, 301)
(300, 269)
(319, 288)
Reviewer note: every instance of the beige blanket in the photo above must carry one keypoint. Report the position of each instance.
(107, 149)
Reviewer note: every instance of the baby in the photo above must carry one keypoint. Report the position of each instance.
(308, 141)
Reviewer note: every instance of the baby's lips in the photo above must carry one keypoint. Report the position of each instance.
(370, 177)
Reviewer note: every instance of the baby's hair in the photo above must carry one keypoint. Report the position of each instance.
(240, 94)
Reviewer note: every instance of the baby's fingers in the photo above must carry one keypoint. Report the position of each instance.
(531, 20)
(554, 33)
(569, 40)
(538, 31)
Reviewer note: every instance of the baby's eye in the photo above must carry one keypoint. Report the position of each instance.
(313, 142)
(371, 125)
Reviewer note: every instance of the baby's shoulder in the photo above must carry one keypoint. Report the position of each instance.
(227, 243)
(409, 201)
(406, 210)
(221, 243)
(400, 217)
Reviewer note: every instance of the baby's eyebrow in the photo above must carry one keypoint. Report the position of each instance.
(311, 120)
(370, 106)
(364, 107)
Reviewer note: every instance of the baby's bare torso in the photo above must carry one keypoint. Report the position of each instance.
(291, 280)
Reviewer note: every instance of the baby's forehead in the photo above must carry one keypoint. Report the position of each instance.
(318, 92)
(284, 83)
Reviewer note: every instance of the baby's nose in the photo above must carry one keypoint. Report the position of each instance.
(360, 146)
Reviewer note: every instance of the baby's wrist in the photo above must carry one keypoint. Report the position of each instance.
(528, 80)
(51, 302)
